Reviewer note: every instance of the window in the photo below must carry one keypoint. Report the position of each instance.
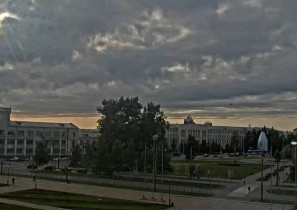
(10, 141)
(29, 151)
(2, 141)
(10, 133)
(30, 133)
(47, 133)
(63, 143)
(63, 134)
(183, 133)
(56, 134)
(2, 132)
(21, 133)
(10, 151)
(39, 133)
(30, 142)
(20, 141)
(20, 151)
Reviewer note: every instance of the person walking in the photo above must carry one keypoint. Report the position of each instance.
(13, 181)
(249, 188)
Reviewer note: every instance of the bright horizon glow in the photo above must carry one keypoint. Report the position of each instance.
(91, 122)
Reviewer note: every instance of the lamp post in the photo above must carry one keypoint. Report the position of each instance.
(8, 173)
(294, 144)
(169, 200)
(262, 154)
(155, 137)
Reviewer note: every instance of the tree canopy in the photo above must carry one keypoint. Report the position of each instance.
(41, 156)
(126, 127)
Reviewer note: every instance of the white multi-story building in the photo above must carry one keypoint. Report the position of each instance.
(19, 138)
(179, 133)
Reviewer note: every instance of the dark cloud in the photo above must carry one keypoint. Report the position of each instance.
(193, 57)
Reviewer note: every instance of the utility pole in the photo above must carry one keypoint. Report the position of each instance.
(262, 178)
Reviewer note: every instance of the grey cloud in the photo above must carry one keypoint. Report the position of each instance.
(187, 56)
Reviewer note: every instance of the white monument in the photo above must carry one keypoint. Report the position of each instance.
(263, 142)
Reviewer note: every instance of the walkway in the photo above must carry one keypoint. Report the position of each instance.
(181, 202)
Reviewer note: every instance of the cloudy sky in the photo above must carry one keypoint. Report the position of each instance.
(226, 61)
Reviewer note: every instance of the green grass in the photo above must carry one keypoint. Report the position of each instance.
(13, 207)
(276, 202)
(135, 179)
(281, 192)
(289, 180)
(77, 201)
(121, 186)
(221, 171)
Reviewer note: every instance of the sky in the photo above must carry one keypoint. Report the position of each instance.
(226, 61)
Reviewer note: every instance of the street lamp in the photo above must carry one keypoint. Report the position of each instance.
(8, 173)
(169, 200)
(155, 137)
(294, 144)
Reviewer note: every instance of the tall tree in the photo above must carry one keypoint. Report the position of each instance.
(116, 156)
(76, 157)
(277, 157)
(119, 119)
(234, 143)
(41, 156)
(124, 120)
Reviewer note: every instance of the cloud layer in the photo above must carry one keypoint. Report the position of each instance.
(216, 60)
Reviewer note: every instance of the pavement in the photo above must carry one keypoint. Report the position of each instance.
(180, 202)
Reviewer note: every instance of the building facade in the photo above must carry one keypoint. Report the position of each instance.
(178, 134)
(19, 138)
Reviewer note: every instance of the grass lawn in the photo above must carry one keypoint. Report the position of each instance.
(14, 207)
(77, 201)
(281, 192)
(135, 179)
(121, 186)
(217, 170)
(277, 202)
(289, 180)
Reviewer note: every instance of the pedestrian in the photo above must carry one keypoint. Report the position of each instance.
(33, 178)
(244, 182)
(249, 188)
(12, 181)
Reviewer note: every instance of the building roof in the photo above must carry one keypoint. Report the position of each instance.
(42, 124)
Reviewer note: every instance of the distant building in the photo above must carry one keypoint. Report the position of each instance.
(178, 134)
(19, 138)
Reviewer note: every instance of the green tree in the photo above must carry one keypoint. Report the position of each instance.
(41, 156)
(234, 143)
(89, 155)
(116, 156)
(76, 157)
(130, 155)
(126, 120)
(277, 157)
(101, 157)
(119, 119)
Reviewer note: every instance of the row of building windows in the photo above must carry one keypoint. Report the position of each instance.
(30, 142)
(37, 133)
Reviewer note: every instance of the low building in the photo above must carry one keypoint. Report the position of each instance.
(19, 138)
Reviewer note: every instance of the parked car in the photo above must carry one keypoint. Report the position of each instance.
(82, 171)
(50, 168)
(14, 159)
(205, 155)
(32, 166)
(64, 169)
